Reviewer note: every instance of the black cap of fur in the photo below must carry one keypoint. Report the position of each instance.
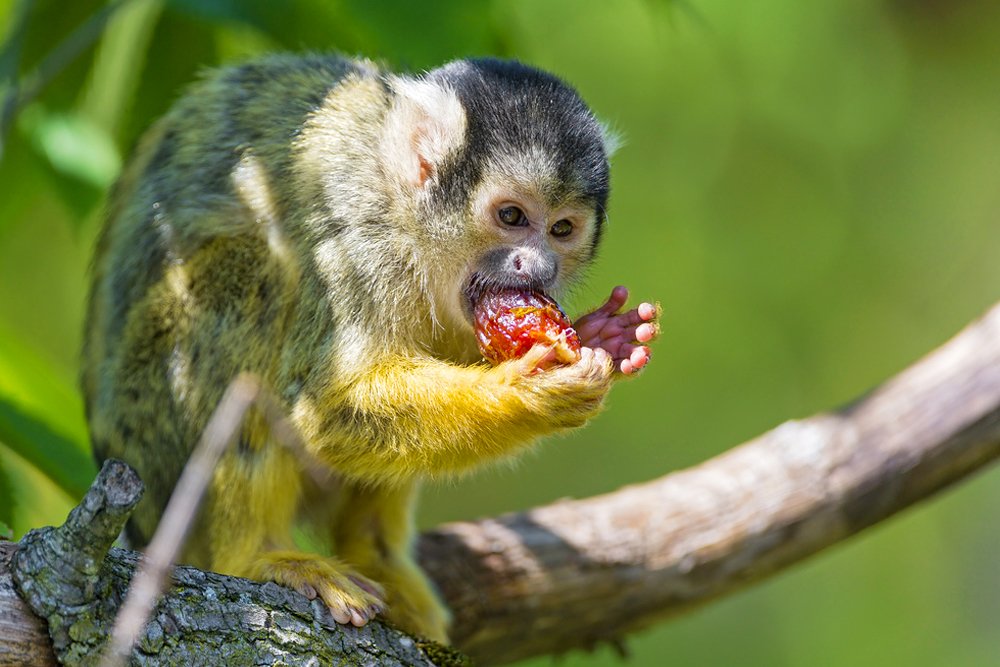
(512, 108)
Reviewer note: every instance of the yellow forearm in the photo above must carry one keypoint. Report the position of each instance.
(409, 417)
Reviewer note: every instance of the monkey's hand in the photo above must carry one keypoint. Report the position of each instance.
(567, 394)
(621, 334)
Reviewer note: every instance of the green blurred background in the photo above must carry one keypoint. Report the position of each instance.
(811, 189)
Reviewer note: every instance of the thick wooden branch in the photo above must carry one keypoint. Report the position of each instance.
(24, 640)
(579, 572)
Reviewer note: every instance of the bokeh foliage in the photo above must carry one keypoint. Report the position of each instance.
(809, 188)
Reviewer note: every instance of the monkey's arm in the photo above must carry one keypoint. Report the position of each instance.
(417, 416)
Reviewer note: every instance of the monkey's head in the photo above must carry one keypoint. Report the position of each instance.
(505, 171)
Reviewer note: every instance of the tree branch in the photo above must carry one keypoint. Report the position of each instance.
(205, 619)
(578, 572)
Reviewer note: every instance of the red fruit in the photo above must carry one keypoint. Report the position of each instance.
(510, 322)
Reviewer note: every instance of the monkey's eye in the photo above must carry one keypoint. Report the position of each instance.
(562, 228)
(512, 216)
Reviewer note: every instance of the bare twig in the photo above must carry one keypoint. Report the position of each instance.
(171, 534)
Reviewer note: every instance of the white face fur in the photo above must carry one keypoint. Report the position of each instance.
(515, 233)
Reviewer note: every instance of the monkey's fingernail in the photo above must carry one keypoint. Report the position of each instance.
(357, 620)
(308, 590)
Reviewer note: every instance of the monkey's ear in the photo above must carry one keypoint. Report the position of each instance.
(425, 125)
(613, 139)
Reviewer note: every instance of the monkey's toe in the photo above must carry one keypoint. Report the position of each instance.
(351, 598)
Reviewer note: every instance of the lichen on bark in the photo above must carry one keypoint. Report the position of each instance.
(73, 578)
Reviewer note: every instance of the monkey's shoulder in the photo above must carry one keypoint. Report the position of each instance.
(264, 100)
(291, 76)
(185, 164)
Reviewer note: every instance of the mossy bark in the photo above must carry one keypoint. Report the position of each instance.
(69, 577)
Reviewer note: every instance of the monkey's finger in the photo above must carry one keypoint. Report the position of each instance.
(635, 325)
(630, 358)
(639, 357)
(645, 332)
(628, 367)
(618, 298)
(538, 358)
(601, 356)
(609, 330)
(645, 312)
(600, 353)
(592, 323)
(636, 333)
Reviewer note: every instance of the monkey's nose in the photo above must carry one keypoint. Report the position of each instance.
(532, 268)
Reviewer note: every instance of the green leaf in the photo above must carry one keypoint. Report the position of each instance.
(55, 455)
(246, 11)
(447, 29)
(41, 416)
(73, 144)
(306, 24)
(13, 39)
(119, 62)
(39, 387)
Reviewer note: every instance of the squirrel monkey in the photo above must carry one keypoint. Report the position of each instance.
(328, 226)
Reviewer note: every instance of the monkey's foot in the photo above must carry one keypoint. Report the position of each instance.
(350, 597)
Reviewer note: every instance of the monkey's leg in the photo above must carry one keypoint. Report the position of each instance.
(254, 503)
(373, 531)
